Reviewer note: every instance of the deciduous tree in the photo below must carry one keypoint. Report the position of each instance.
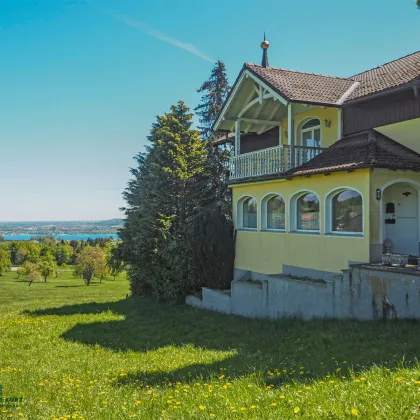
(5, 262)
(47, 266)
(91, 263)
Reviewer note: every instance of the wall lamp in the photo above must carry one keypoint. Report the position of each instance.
(378, 194)
(327, 123)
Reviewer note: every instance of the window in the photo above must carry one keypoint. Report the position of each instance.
(307, 212)
(273, 212)
(347, 212)
(249, 213)
(311, 133)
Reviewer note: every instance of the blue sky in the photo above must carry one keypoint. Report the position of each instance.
(82, 80)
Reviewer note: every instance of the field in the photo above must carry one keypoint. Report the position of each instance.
(71, 351)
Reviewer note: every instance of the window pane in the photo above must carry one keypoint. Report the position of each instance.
(307, 139)
(250, 213)
(317, 137)
(276, 213)
(347, 212)
(308, 212)
(311, 123)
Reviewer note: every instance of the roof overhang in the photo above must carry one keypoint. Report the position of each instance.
(254, 102)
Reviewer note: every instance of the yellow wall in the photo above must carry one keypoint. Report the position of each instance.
(329, 135)
(266, 252)
(407, 133)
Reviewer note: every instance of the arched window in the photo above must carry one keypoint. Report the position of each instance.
(307, 212)
(276, 213)
(347, 212)
(247, 213)
(310, 133)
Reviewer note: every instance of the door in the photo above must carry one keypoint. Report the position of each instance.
(402, 226)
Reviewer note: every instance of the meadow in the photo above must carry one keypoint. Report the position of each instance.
(69, 351)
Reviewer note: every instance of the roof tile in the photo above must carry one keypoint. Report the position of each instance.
(361, 150)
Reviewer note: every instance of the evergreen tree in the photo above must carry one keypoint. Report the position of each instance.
(214, 91)
(162, 198)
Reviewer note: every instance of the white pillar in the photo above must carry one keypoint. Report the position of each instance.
(339, 123)
(290, 125)
(237, 137)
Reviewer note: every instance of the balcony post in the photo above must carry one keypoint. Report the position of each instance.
(237, 137)
(291, 134)
(290, 125)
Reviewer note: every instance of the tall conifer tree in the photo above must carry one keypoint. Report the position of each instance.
(214, 91)
(162, 199)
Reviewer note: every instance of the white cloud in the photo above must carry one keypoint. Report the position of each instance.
(163, 37)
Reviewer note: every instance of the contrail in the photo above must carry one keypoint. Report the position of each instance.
(163, 37)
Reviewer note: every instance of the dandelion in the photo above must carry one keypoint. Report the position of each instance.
(308, 387)
(273, 404)
(202, 407)
(354, 412)
(243, 408)
(282, 396)
(253, 406)
(212, 414)
(296, 410)
(221, 376)
(416, 382)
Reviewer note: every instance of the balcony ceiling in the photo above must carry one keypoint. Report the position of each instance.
(260, 108)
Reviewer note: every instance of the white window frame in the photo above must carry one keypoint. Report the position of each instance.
(328, 223)
(263, 206)
(311, 129)
(240, 213)
(293, 213)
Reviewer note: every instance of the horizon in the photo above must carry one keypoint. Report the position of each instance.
(82, 82)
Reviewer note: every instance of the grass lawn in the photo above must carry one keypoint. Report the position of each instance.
(72, 351)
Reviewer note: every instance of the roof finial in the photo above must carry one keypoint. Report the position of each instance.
(264, 45)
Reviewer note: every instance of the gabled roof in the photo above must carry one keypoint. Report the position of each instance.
(368, 149)
(390, 75)
(303, 87)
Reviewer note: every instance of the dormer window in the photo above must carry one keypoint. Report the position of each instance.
(311, 133)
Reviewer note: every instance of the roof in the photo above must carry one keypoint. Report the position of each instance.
(390, 75)
(368, 149)
(303, 87)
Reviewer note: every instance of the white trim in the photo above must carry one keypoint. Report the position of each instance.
(347, 93)
(253, 102)
(266, 87)
(293, 212)
(299, 131)
(263, 212)
(381, 203)
(239, 213)
(328, 212)
(227, 104)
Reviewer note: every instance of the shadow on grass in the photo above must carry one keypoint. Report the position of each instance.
(258, 345)
(78, 285)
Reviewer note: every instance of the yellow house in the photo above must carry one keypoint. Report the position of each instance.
(325, 169)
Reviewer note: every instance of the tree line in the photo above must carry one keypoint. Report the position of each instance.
(178, 233)
(40, 259)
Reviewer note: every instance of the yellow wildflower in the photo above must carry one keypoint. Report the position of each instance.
(296, 410)
(354, 412)
(202, 407)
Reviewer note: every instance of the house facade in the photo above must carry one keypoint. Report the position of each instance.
(325, 170)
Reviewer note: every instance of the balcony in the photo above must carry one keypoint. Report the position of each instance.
(273, 160)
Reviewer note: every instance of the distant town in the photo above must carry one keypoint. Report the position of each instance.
(61, 227)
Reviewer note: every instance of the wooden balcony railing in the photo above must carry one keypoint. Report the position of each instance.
(270, 161)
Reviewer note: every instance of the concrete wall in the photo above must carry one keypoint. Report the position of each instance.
(360, 293)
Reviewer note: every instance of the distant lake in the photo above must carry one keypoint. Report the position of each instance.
(75, 237)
